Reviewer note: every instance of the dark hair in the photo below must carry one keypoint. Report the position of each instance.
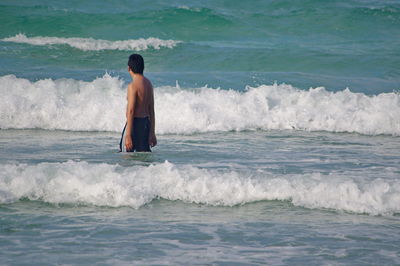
(136, 63)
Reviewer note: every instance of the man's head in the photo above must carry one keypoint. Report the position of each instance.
(136, 63)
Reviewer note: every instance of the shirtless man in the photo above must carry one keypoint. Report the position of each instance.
(140, 125)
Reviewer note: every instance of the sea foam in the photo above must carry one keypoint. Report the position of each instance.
(90, 44)
(112, 185)
(99, 105)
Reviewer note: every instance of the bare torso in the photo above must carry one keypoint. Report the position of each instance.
(143, 90)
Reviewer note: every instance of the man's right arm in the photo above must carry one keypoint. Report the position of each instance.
(129, 117)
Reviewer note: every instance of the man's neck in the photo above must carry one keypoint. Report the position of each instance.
(136, 76)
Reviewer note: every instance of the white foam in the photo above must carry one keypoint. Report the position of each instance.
(113, 185)
(100, 105)
(195, 9)
(62, 104)
(90, 44)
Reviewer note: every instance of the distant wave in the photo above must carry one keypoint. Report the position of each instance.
(112, 185)
(89, 44)
(99, 106)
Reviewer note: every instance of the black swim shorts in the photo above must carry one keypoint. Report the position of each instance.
(141, 130)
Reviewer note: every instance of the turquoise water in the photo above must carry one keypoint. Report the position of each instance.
(277, 124)
(227, 45)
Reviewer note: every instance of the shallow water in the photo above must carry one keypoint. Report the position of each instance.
(66, 202)
(277, 125)
(164, 232)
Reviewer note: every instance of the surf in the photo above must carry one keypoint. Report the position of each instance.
(99, 105)
(90, 44)
(82, 183)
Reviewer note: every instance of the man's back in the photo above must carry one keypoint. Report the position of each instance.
(144, 95)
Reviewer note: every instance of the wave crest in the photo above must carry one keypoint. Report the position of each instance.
(90, 44)
(112, 185)
(99, 105)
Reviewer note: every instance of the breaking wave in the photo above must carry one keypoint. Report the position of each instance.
(90, 44)
(69, 104)
(112, 185)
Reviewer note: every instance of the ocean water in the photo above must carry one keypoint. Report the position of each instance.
(278, 125)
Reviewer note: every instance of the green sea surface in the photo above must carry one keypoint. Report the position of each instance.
(252, 166)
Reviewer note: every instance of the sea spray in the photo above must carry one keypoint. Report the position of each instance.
(69, 104)
(112, 185)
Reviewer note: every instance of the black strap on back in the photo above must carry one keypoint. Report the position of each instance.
(122, 137)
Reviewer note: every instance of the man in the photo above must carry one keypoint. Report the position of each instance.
(140, 126)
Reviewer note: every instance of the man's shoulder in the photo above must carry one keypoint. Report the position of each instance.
(148, 82)
(132, 88)
(132, 85)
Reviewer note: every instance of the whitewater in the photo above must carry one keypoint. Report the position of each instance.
(80, 183)
(277, 126)
(98, 105)
(90, 44)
